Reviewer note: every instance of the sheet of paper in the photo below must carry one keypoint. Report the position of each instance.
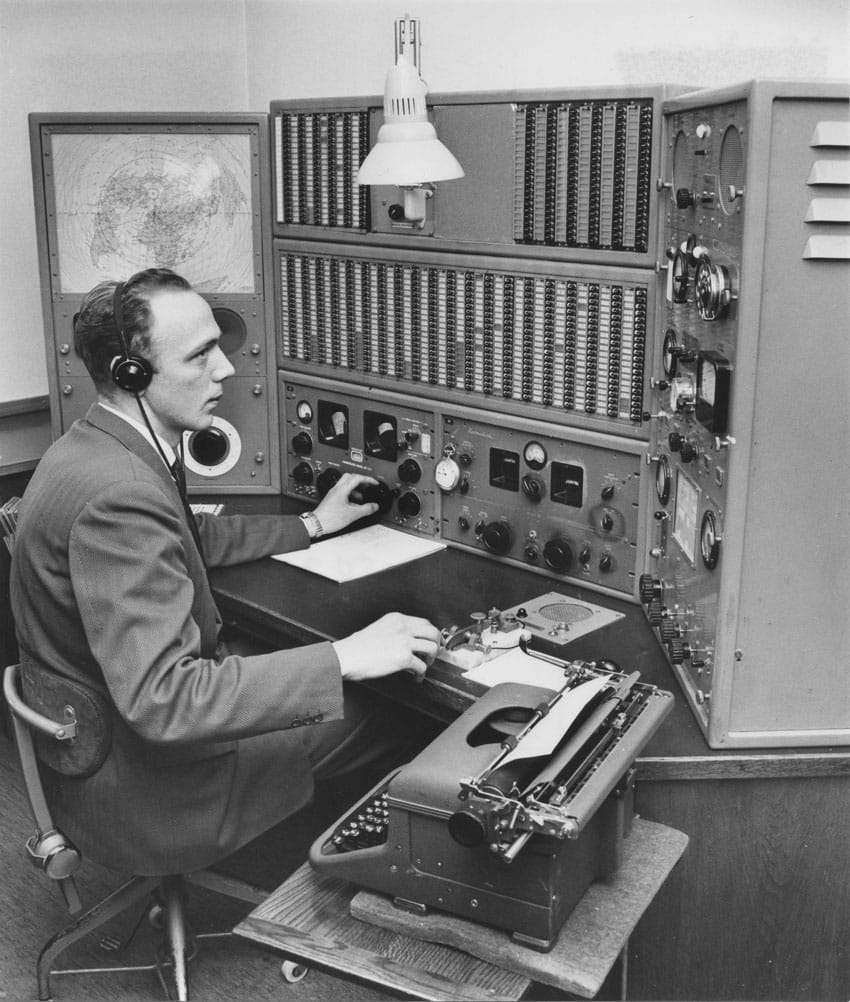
(359, 553)
(545, 735)
(517, 666)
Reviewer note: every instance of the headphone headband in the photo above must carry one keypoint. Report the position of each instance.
(132, 372)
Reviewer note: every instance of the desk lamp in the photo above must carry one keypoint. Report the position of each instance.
(408, 153)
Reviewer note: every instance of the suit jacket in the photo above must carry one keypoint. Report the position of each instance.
(108, 589)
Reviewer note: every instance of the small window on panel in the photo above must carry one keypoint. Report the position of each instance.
(567, 484)
(504, 469)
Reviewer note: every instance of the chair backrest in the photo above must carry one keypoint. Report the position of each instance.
(48, 848)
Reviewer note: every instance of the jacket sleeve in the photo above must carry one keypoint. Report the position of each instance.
(235, 539)
(134, 593)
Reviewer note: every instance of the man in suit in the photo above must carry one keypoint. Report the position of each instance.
(203, 750)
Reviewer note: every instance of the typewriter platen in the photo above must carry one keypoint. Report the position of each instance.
(510, 814)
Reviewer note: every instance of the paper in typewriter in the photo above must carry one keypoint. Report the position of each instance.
(547, 733)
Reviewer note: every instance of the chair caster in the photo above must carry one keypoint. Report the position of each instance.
(293, 972)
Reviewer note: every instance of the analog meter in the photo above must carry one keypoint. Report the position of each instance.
(534, 455)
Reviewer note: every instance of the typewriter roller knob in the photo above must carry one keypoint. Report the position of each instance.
(467, 828)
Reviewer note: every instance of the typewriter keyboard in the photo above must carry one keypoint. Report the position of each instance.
(367, 827)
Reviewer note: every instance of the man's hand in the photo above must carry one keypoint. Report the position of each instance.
(394, 643)
(335, 511)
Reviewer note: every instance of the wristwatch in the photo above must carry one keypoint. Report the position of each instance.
(312, 523)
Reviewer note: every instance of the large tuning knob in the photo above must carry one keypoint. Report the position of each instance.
(497, 537)
(558, 554)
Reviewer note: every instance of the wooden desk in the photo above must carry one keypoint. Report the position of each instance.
(316, 919)
(760, 904)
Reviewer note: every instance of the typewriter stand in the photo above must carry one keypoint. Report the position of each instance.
(319, 920)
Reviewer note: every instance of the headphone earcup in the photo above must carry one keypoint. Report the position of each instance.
(131, 373)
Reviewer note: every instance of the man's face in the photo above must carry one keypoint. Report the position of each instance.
(188, 362)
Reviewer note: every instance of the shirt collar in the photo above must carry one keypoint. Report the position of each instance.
(145, 432)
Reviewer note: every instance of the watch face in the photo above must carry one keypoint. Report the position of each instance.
(534, 455)
(447, 474)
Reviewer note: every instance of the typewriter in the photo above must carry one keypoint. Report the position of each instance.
(510, 814)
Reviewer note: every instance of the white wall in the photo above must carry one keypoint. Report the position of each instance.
(323, 48)
(237, 55)
(93, 55)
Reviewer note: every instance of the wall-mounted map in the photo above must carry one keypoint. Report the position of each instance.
(125, 201)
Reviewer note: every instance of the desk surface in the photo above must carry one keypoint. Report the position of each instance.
(284, 604)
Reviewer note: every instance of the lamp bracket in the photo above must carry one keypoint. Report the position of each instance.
(407, 40)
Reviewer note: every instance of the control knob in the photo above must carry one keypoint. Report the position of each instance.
(409, 504)
(680, 651)
(409, 472)
(496, 537)
(378, 493)
(532, 488)
(531, 552)
(302, 444)
(303, 474)
(687, 452)
(558, 554)
(650, 588)
(326, 479)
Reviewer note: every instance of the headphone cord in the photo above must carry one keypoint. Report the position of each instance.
(179, 482)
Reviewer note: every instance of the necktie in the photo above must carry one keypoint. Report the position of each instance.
(179, 474)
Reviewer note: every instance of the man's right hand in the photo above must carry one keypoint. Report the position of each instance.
(394, 643)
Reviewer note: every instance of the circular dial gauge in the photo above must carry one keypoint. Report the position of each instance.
(670, 353)
(447, 474)
(680, 276)
(681, 161)
(709, 540)
(304, 412)
(662, 480)
(682, 393)
(708, 382)
(731, 170)
(534, 455)
(713, 289)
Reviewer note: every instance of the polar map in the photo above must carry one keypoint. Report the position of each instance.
(180, 200)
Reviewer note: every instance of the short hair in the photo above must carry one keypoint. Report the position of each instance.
(96, 337)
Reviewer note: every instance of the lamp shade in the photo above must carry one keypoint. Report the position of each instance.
(407, 151)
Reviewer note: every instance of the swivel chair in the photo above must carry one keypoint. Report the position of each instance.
(50, 851)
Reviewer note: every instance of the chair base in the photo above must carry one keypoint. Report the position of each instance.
(178, 948)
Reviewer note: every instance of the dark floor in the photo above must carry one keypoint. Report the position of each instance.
(229, 970)
(224, 970)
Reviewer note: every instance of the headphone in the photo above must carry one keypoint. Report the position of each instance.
(132, 372)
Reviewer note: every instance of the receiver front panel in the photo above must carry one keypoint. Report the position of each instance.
(330, 428)
(567, 344)
(565, 174)
(531, 495)
(747, 554)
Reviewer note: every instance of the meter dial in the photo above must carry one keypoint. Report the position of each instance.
(680, 276)
(731, 170)
(708, 383)
(447, 474)
(670, 352)
(304, 412)
(534, 455)
(709, 540)
(713, 289)
(682, 393)
(682, 163)
(663, 479)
